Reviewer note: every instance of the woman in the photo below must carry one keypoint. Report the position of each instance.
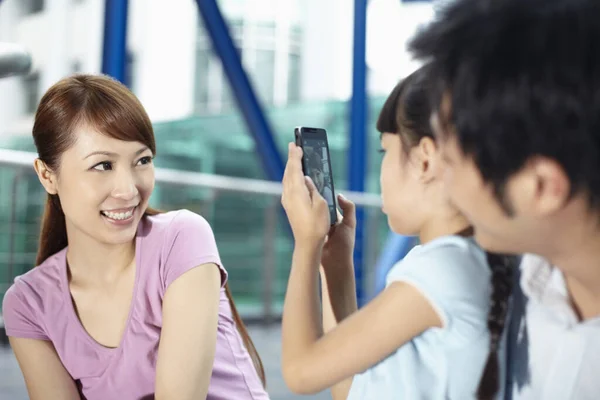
(434, 332)
(126, 302)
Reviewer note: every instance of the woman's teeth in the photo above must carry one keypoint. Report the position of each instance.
(118, 216)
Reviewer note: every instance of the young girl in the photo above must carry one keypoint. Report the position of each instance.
(428, 335)
(126, 303)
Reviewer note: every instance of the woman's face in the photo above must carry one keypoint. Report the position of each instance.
(104, 185)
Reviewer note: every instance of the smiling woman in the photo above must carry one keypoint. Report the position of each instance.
(126, 302)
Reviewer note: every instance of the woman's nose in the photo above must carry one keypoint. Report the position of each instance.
(125, 186)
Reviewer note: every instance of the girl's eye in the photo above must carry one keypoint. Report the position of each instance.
(103, 166)
(145, 160)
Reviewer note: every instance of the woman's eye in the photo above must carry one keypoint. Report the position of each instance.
(103, 166)
(145, 160)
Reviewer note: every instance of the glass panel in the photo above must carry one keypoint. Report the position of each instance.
(202, 75)
(294, 78)
(264, 74)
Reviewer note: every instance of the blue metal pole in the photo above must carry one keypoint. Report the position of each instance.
(357, 151)
(114, 50)
(244, 93)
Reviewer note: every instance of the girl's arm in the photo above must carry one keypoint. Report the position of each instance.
(189, 334)
(45, 376)
(338, 294)
(312, 361)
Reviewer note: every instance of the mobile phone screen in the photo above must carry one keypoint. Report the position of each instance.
(317, 165)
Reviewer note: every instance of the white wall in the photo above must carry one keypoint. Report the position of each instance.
(11, 99)
(390, 25)
(327, 49)
(85, 42)
(166, 57)
(57, 37)
(328, 45)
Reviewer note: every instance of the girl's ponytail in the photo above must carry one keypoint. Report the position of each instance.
(502, 269)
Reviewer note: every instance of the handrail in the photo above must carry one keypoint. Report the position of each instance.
(23, 159)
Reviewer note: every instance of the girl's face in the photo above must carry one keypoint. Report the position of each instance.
(104, 185)
(404, 179)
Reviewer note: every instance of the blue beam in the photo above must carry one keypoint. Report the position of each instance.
(357, 150)
(114, 49)
(245, 96)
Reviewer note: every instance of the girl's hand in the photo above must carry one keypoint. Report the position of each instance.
(339, 247)
(306, 209)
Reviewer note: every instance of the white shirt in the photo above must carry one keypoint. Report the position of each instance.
(556, 357)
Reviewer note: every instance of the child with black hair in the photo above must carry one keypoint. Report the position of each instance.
(430, 334)
(517, 104)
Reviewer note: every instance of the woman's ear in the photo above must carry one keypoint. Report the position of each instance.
(46, 176)
(427, 157)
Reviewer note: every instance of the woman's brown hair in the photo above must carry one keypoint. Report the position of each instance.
(112, 109)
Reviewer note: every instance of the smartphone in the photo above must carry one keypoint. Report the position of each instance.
(316, 163)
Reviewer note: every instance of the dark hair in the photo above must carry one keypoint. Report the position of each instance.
(523, 79)
(407, 111)
(502, 267)
(112, 109)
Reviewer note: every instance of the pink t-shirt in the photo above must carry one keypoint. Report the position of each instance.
(38, 306)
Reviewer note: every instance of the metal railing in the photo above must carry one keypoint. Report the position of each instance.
(245, 214)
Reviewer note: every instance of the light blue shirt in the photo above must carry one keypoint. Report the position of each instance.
(441, 363)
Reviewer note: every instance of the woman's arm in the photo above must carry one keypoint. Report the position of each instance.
(189, 334)
(312, 363)
(44, 373)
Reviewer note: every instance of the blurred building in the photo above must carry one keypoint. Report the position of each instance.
(294, 51)
(298, 54)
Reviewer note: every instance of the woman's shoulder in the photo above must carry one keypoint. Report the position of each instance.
(179, 240)
(172, 223)
(44, 277)
(168, 217)
(34, 297)
(175, 218)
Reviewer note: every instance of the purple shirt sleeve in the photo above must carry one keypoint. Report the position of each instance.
(190, 242)
(19, 313)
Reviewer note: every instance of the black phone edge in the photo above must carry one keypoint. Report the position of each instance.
(298, 139)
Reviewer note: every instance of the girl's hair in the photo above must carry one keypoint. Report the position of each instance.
(407, 112)
(502, 281)
(108, 106)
